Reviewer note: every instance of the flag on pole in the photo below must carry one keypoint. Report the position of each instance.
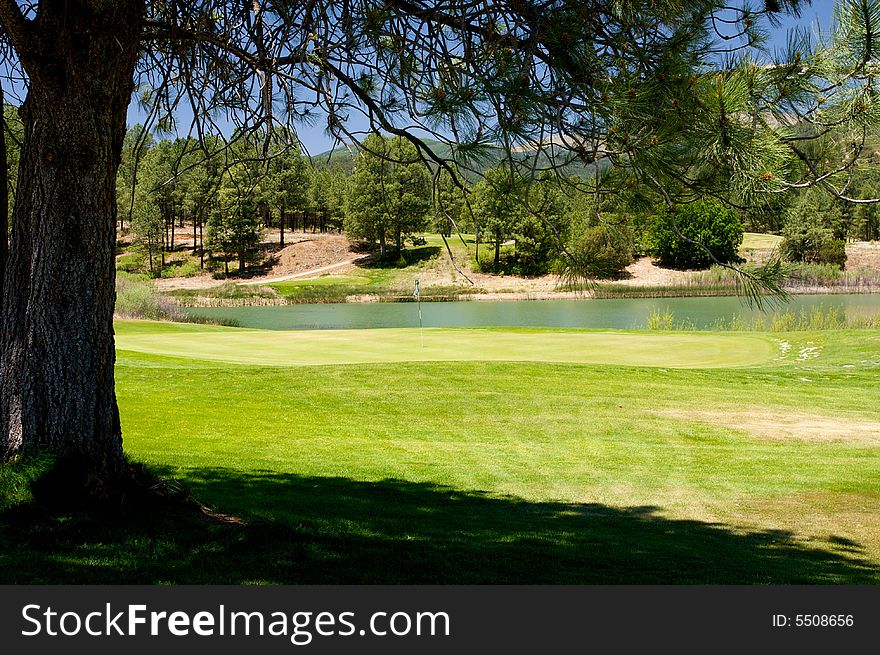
(417, 295)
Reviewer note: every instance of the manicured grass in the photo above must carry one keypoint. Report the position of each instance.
(322, 347)
(473, 469)
(337, 287)
(756, 240)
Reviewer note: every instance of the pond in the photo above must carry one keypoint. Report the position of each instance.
(699, 313)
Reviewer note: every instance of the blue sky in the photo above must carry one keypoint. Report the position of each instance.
(817, 14)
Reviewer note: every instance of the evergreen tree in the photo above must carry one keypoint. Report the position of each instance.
(496, 207)
(286, 183)
(138, 141)
(540, 229)
(147, 227)
(234, 225)
(328, 195)
(390, 193)
(450, 207)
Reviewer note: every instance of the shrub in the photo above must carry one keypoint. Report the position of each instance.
(535, 250)
(132, 262)
(188, 267)
(602, 251)
(716, 227)
(813, 244)
(137, 298)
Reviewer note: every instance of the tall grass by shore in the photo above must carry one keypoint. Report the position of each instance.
(137, 298)
(817, 318)
(313, 291)
(720, 281)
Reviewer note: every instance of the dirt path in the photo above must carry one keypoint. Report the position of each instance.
(360, 259)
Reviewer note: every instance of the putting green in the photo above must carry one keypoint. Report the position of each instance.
(313, 348)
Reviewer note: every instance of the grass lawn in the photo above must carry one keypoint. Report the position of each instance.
(335, 287)
(757, 240)
(486, 456)
(295, 348)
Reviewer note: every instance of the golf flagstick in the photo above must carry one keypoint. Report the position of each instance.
(419, 300)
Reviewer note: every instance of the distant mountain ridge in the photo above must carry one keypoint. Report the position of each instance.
(343, 158)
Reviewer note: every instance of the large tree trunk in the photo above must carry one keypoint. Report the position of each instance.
(56, 343)
(4, 196)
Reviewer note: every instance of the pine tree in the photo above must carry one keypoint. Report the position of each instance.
(234, 225)
(497, 209)
(389, 195)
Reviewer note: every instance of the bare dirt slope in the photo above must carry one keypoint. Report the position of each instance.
(304, 254)
(307, 252)
(863, 254)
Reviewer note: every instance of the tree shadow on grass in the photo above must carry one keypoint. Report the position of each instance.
(333, 530)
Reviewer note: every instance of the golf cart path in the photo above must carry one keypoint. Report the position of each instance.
(360, 259)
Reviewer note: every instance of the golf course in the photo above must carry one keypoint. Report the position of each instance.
(484, 455)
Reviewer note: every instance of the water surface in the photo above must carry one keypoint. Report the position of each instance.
(629, 313)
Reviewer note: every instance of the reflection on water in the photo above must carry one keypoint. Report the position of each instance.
(701, 313)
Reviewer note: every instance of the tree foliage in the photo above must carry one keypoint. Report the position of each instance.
(147, 227)
(328, 194)
(389, 194)
(815, 230)
(497, 207)
(234, 224)
(697, 235)
(603, 249)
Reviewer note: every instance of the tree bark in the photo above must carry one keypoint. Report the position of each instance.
(56, 344)
(201, 242)
(4, 196)
(477, 243)
(281, 224)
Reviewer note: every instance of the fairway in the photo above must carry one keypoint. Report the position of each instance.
(752, 240)
(323, 347)
(488, 456)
